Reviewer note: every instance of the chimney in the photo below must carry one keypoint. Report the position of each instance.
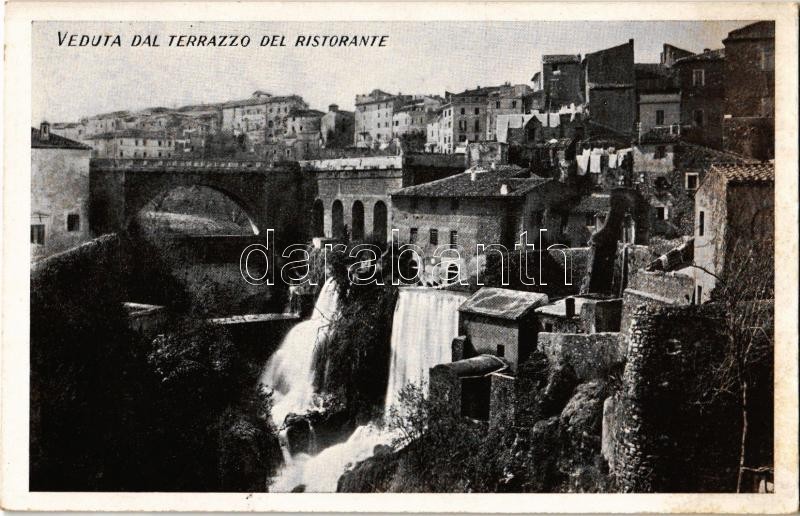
(706, 50)
(44, 131)
(473, 174)
(333, 107)
(569, 305)
(504, 189)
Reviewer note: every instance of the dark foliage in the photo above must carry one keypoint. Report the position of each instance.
(111, 412)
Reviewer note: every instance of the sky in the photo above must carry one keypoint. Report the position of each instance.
(419, 57)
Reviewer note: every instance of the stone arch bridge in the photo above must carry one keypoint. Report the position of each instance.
(275, 197)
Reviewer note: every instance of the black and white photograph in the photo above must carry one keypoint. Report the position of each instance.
(517, 256)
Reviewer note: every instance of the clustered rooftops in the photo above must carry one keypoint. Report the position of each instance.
(130, 133)
(504, 181)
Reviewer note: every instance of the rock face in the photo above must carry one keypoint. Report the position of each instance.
(374, 475)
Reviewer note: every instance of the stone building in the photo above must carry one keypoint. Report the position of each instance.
(463, 118)
(69, 130)
(373, 117)
(562, 79)
(702, 81)
(337, 128)
(734, 211)
(500, 322)
(484, 205)
(506, 100)
(104, 123)
(59, 193)
(610, 87)
(412, 119)
(353, 193)
(261, 118)
(133, 143)
(749, 107)
(671, 53)
(580, 314)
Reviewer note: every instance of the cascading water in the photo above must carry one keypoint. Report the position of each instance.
(424, 325)
(290, 370)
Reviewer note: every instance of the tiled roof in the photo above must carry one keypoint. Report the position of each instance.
(561, 58)
(54, 141)
(692, 156)
(487, 184)
(503, 303)
(593, 203)
(751, 173)
(757, 30)
(306, 112)
(128, 133)
(711, 55)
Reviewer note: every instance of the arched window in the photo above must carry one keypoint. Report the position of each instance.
(337, 219)
(358, 221)
(318, 219)
(379, 221)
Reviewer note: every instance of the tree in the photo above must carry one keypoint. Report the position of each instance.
(744, 292)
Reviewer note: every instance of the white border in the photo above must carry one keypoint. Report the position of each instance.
(15, 304)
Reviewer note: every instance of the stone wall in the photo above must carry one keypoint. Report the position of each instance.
(591, 356)
(655, 289)
(501, 400)
(658, 437)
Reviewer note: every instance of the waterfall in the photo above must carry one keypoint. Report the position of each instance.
(424, 325)
(290, 370)
(428, 322)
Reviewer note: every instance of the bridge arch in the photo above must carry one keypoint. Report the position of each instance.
(357, 221)
(139, 202)
(318, 219)
(380, 221)
(337, 219)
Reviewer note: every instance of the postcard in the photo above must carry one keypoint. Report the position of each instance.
(400, 257)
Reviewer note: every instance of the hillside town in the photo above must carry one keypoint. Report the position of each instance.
(647, 190)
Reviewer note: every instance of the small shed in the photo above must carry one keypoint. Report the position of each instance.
(501, 322)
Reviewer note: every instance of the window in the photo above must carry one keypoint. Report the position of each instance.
(698, 77)
(412, 235)
(73, 222)
(497, 105)
(661, 213)
(463, 111)
(462, 138)
(701, 223)
(659, 117)
(434, 237)
(477, 124)
(37, 234)
(120, 154)
(477, 111)
(698, 295)
(691, 180)
(513, 104)
(768, 58)
(454, 238)
(590, 219)
(660, 152)
(548, 327)
(698, 118)
(501, 350)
